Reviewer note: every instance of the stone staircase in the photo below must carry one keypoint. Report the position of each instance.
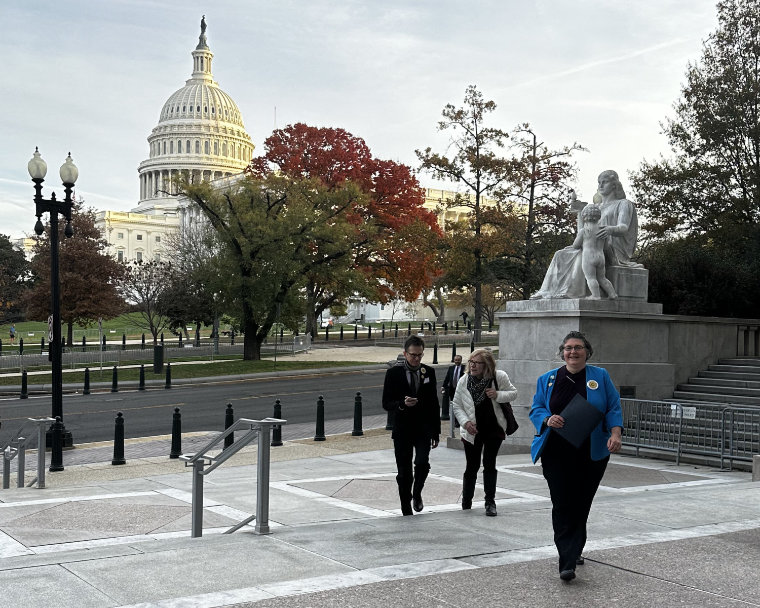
(735, 381)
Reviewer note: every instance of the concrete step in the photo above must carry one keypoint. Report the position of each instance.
(741, 369)
(730, 382)
(737, 376)
(684, 396)
(749, 361)
(721, 389)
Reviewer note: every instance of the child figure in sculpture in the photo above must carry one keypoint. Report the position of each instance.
(592, 255)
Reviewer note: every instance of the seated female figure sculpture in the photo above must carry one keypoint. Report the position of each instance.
(618, 225)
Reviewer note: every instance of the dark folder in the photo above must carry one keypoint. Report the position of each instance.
(580, 419)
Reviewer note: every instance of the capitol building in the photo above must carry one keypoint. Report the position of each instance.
(200, 134)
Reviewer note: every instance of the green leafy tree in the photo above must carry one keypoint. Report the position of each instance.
(270, 229)
(13, 270)
(89, 276)
(475, 165)
(712, 178)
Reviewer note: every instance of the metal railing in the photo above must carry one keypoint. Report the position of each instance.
(203, 463)
(726, 433)
(17, 449)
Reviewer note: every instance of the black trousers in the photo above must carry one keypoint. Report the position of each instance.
(412, 463)
(573, 480)
(489, 448)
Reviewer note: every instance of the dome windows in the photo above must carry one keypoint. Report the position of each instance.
(187, 146)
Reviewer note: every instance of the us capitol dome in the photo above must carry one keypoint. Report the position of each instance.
(200, 133)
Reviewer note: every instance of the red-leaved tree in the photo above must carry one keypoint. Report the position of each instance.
(392, 254)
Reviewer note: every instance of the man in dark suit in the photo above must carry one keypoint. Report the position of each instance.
(453, 374)
(410, 392)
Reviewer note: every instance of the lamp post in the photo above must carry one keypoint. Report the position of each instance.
(69, 173)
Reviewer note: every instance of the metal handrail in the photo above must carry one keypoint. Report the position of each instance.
(199, 461)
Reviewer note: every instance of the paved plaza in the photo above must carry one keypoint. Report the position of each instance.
(114, 536)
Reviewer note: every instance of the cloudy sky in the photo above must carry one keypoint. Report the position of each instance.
(91, 77)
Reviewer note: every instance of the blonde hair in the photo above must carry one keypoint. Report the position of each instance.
(490, 362)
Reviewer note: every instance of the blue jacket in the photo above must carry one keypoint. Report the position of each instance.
(600, 392)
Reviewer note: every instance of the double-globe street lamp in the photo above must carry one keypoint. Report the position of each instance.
(69, 173)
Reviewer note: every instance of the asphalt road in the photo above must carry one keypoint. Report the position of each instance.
(148, 413)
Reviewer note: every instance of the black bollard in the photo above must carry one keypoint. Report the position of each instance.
(453, 350)
(42, 344)
(142, 342)
(118, 440)
(115, 380)
(395, 335)
(435, 353)
(319, 434)
(327, 334)
(197, 337)
(390, 420)
(422, 328)
(277, 430)
(356, 331)
(282, 333)
(445, 406)
(357, 416)
(56, 442)
(21, 346)
(162, 338)
(472, 345)
(445, 328)
(103, 344)
(232, 337)
(123, 341)
(229, 420)
(1, 346)
(86, 390)
(456, 326)
(382, 335)
(84, 344)
(341, 332)
(369, 332)
(168, 376)
(180, 339)
(176, 449)
(141, 386)
(24, 386)
(408, 329)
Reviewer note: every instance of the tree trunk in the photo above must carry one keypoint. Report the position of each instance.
(70, 333)
(251, 341)
(311, 317)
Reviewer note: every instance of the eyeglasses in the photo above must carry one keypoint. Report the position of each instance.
(576, 348)
(415, 355)
(477, 362)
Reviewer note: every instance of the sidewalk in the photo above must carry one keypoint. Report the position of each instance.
(105, 536)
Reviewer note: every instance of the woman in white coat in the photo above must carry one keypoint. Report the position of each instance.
(482, 423)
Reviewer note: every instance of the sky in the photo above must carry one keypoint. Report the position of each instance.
(90, 77)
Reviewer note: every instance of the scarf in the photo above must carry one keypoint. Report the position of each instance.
(477, 388)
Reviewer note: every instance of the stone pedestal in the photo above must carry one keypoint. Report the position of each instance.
(630, 340)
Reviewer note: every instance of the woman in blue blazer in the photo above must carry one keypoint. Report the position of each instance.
(573, 474)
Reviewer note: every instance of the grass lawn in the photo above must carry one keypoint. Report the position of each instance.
(217, 368)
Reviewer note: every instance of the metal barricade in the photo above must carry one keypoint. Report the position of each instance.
(719, 431)
(653, 425)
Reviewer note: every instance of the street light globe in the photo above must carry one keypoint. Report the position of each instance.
(37, 167)
(69, 172)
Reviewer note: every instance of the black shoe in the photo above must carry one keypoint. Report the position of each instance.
(406, 510)
(580, 561)
(417, 503)
(567, 575)
(466, 505)
(491, 509)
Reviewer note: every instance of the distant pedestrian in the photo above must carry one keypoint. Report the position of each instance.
(464, 316)
(13, 333)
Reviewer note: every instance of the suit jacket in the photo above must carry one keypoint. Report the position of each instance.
(424, 418)
(600, 393)
(448, 381)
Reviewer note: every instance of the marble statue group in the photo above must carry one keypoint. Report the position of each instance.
(607, 233)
